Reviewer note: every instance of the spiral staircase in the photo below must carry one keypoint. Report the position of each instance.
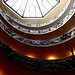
(44, 44)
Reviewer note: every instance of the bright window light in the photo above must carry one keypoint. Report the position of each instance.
(32, 8)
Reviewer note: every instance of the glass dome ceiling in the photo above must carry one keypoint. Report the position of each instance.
(32, 8)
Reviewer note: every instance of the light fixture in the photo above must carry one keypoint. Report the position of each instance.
(31, 56)
(72, 51)
(51, 58)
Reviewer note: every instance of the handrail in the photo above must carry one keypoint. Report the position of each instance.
(41, 65)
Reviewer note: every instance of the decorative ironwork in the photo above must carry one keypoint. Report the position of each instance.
(43, 31)
(44, 24)
(39, 43)
(41, 65)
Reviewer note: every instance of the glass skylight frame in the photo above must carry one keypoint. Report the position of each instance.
(36, 16)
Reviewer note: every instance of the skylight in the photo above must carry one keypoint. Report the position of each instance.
(32, 8)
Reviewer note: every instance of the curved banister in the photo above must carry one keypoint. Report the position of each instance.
(41, 65)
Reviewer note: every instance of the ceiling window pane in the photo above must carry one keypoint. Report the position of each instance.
(32, 8)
